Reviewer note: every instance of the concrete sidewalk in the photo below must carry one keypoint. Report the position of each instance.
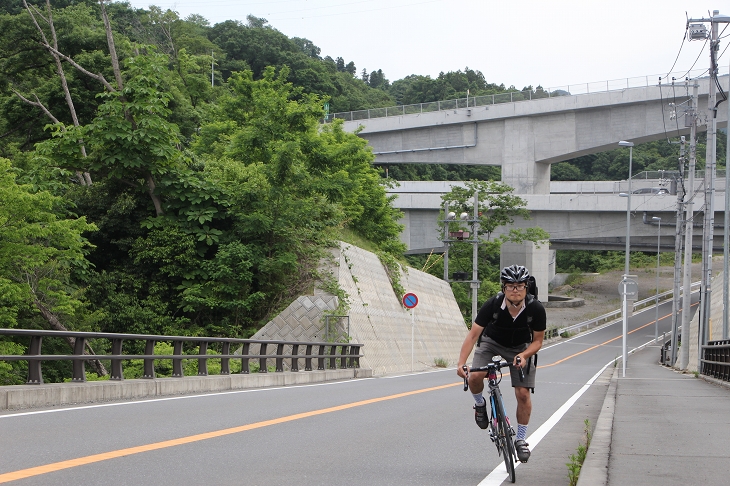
(659, 427)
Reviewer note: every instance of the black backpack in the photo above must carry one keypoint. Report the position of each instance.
(496, 306)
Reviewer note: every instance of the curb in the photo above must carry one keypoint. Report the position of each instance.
(594, 471)
(17, 397)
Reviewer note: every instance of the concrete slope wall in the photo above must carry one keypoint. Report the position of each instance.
(715, 331)
(376, 317)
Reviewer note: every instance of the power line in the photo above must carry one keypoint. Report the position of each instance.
(698, 58)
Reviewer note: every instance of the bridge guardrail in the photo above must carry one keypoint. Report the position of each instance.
(715, 360)
(610, 316)
(511, 97)
(349, 356)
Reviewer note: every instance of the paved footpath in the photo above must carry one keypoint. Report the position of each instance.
(659, 427)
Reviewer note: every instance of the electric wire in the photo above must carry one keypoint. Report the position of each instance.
(698, 58)
(684, 39)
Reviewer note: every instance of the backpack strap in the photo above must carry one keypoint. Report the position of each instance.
(494, 308)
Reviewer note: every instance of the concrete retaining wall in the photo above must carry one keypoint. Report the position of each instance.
(376, 317)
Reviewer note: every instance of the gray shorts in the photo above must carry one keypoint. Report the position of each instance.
(489, 347)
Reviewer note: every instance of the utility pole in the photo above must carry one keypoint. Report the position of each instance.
(709, 219)
(475, 257)
(691, 120)
(681, 193)
(726, 252)
(698, 31)
(449, 217)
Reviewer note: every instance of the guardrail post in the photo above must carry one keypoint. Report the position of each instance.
(295, 358)
(333, 359)
(225, 362)
(354, 356)
(344, 352)
(244, 361)
(177, 367)
(149, 363)
(203, 362)
(308, 359)
(279, 359)
(262, 358)
(35, 375)
(117, 373)
(320, 359)
(79, 365)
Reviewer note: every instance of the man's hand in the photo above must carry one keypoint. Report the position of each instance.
(519, 360)
(462, 371)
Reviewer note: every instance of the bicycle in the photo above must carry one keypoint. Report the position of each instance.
(500, 430)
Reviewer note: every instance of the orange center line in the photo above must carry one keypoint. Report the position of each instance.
(602, 344)
(82, 461)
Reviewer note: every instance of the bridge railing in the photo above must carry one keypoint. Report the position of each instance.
(715, 360)
(611, 316)
(326, 353)
(515, 96)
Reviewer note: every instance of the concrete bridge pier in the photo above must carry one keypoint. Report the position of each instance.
(538, 260)
(519, 167)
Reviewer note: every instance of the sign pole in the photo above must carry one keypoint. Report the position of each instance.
(410, 301)
(413, 311)
(625, 327)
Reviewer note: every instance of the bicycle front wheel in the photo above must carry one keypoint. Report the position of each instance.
(507, 447)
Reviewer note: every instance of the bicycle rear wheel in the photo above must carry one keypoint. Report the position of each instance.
(506, 447)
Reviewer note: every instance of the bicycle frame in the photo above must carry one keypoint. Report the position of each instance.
(500, 429)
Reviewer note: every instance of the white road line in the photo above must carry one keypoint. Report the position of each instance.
(499, 474)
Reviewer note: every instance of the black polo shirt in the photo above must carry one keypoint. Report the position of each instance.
(499, 325)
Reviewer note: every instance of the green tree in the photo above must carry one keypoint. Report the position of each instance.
(498, 207)
(38, 252)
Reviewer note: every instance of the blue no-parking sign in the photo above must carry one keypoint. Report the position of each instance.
(410, 300)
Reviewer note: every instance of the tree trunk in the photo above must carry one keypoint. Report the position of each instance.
(56, 325)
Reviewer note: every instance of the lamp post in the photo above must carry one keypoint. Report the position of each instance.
(625, 306)
(656, 299)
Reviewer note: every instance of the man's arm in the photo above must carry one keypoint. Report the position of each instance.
(467, 346)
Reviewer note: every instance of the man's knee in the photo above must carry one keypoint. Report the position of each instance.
(522, 394)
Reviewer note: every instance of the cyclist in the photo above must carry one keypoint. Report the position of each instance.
(510, 324)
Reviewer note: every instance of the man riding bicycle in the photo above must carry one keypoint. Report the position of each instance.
(510, 324)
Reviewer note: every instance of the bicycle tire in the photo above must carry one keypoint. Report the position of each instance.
(506, 447)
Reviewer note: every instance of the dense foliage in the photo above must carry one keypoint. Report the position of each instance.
(137, 197)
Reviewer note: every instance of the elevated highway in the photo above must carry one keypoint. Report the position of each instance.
(526, 137)
(578, 215)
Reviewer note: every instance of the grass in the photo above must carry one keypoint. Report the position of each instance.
(440, 363)
(577, 459)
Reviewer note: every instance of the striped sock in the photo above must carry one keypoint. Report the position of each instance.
(521, 432)
(479, 399)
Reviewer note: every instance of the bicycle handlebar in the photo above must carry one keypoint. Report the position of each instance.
(490, 366)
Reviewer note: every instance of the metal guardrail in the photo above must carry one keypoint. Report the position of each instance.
(611, 316)
(512, 97)
(665, 351)
(715, 360)
(349, 356)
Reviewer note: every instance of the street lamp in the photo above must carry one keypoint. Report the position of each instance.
(656, 299)
(625, 308)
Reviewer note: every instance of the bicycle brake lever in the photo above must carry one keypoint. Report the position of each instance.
(522, 374)
(466, 376)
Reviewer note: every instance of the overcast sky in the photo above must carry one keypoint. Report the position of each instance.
(532, 42)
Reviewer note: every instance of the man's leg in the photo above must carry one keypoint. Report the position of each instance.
(476, 386)
(524, 410)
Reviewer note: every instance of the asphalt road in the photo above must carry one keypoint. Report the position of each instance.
(416, 429)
